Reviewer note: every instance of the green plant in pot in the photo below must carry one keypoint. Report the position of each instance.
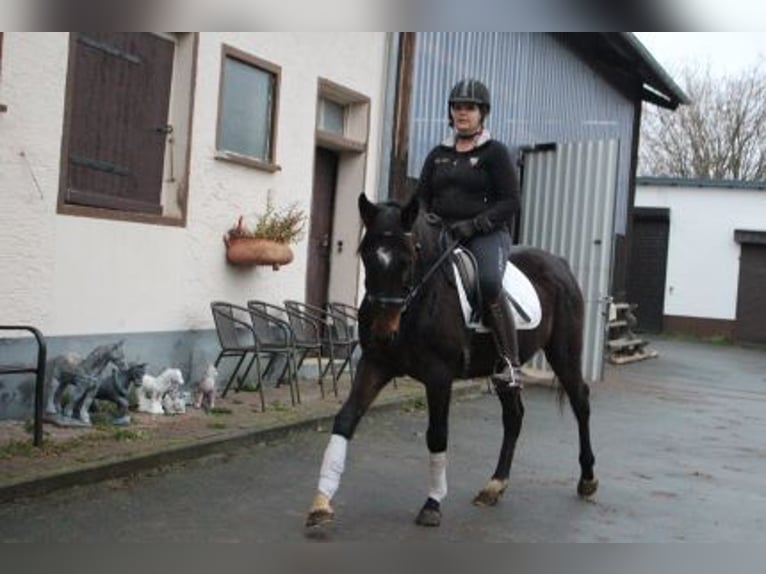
(267, 241)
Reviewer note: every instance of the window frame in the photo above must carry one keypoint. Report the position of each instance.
(356, 121)
(270, 165)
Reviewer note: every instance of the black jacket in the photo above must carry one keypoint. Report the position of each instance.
(462, 185)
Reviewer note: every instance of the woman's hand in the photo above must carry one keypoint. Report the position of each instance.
(467, 228)
(463, 229)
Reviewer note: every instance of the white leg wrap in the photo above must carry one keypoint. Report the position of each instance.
(437, 479)
(332, 466)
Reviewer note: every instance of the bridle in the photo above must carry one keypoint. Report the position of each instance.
(411, 291)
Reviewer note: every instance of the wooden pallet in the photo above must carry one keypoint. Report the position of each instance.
(640, 355)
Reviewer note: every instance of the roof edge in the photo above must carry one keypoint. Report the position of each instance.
(660, 80)
(704, 183)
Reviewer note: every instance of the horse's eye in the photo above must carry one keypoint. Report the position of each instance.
(418, 246)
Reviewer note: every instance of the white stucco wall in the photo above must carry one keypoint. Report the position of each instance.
(703, 258)
(73, 275)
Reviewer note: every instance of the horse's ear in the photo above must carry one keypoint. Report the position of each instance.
(410, 213)
(367, 210)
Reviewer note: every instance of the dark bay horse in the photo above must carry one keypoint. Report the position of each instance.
(410, 323)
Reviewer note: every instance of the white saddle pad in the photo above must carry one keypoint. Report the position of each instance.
(523, 296)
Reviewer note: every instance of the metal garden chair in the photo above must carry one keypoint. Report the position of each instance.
(307, 330)
(277, 336)
(238, 338)
(334, 344)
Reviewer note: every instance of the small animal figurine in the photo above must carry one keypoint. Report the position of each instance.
(153, 389)
(115, 387)
(206, 390)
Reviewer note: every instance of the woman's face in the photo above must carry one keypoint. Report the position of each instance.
(466, 117)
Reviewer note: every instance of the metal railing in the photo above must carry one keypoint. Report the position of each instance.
(38, 370)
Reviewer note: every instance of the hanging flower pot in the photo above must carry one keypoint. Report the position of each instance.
(268, 242)
(257, 251)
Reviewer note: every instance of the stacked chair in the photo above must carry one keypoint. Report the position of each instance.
(332, 330)
(277, 340)
(251, 331)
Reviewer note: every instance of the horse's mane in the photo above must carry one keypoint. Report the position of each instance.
(430, 240)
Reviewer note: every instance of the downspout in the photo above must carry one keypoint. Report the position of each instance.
(389, 106)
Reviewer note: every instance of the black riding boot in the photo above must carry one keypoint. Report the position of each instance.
(501, 323)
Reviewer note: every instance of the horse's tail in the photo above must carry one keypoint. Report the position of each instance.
(569, 321)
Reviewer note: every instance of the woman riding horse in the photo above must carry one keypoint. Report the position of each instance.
(411, 323)
(469, 182)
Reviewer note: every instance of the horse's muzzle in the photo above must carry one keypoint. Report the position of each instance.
(385, 324)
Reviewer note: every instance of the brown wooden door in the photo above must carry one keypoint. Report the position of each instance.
(751, 296)
(648, 266)
(320, 228)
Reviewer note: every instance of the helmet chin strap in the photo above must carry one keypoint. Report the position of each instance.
(470, 136)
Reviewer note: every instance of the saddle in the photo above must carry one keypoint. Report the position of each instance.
(522, 295)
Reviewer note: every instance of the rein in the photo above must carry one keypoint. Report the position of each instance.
(431, 270)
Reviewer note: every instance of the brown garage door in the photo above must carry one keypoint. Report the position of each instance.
(751, 294)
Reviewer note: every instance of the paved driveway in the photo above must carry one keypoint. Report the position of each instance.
(680, 453)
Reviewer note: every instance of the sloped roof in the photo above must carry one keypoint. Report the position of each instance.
(624, 61)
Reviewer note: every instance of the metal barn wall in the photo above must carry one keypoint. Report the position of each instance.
(567, 205)
(541, 92)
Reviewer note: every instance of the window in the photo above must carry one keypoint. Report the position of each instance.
(127, 126)
(342, 118)
(332, 116)
(248, 110)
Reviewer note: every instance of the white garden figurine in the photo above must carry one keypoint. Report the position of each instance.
(153, 391)
(206, 389)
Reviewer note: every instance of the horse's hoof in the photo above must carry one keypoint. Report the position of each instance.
(319, 518)
(430, 514)
(490, 494)
(587, 488)
(321, 513)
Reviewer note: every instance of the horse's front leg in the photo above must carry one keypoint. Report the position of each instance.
(368, 381)
(513, 414)
(438, 395)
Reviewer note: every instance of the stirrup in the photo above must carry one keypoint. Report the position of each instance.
(508, 376)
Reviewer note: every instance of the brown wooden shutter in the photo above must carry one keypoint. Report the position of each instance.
(119, 110)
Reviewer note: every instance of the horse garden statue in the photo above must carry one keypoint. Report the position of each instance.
(115, 387)
(70, 374)
(411, 323)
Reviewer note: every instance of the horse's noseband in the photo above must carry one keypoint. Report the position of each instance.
(388, 301)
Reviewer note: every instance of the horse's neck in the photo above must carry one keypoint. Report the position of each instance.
(431, 249)
(167, 376)
(96, 361)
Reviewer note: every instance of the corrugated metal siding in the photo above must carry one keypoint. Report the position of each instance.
(567, 203)
(541, 92)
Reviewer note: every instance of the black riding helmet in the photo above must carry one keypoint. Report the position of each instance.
(472, 92)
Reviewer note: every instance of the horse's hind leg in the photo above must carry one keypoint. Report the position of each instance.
(564, 355)
(513, 415)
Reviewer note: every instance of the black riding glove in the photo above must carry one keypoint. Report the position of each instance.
(467, 228)
(483, 223)
(463, 230)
